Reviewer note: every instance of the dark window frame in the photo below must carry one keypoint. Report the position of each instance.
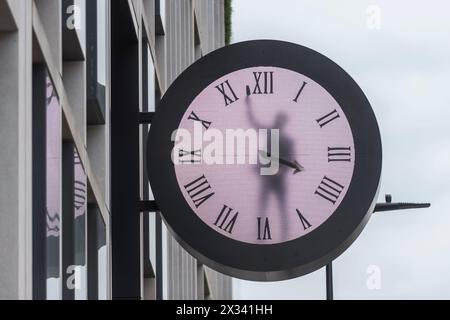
(71, 46)
(39, 174)
(95, 92)
(68, 178)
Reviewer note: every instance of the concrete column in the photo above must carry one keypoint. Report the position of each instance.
(15, 150)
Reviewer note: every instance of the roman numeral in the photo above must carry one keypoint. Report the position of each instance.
(228, 94)
(329, 190)
(264, 229)
(226, 219)
(199, 190)
(205, 124)
(193, 155)
(300, 91)
(339, 154)
(264, 82)
(328, 118)
(306, 225)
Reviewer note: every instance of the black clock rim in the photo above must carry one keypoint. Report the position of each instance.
(276, 261)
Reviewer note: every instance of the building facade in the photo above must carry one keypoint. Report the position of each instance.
(75, 78)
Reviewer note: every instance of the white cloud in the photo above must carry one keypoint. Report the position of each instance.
(403, 69)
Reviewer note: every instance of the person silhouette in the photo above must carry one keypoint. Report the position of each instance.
(274, 185)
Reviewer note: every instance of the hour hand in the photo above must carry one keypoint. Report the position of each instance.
(291, 164)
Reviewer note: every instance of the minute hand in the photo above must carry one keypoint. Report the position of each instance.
(291, 164)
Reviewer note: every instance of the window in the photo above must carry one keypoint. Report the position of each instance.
(160, 17)
(79, 226)
(53, 187)
(97, 272)
(149, 230)
(47, 154)
(73, 29)
(96, 60)
(74, 207)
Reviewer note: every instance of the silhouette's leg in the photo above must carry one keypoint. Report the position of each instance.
(281, 198)
(264, 193)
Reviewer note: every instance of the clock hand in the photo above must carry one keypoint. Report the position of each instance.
(292, 164)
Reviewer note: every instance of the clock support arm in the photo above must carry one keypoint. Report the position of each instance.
(390, 206)
(148, 206)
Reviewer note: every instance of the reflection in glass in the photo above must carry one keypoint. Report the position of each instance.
(102, 259)
(80, 209)
(162, 11)
(81, 23)
(53, 186)
(151, 82)
(101, 42)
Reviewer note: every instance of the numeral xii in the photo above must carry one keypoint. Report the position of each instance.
(264, 82)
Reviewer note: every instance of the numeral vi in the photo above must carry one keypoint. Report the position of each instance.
(264, 229)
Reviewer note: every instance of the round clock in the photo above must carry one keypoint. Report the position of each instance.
(265, 159)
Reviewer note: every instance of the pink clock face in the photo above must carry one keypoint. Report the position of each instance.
(291, 189)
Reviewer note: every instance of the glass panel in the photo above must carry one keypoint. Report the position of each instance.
(162, 11)
(102, 259)
(80, 210)
(165, 261)
(53, 182)
(80, 21)
(152, 240)
(151, 81)
(151, 108)
(101, 41)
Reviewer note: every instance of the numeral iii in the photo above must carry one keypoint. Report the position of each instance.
(339, 154)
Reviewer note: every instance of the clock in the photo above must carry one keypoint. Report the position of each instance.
(265, 160)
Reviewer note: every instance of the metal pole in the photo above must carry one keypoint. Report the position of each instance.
(329, 279)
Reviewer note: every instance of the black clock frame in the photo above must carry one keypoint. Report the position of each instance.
(276, 261)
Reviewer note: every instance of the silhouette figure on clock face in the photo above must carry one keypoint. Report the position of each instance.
(273, 187)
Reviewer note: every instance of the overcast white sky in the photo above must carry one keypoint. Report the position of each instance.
(404, 69)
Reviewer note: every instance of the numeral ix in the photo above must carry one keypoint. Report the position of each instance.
(193, 156)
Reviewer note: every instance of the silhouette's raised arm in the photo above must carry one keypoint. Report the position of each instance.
(251, 116)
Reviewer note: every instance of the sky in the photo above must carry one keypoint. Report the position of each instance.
(399, 54)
